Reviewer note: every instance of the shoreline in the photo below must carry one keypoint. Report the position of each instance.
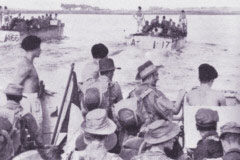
(123, 12)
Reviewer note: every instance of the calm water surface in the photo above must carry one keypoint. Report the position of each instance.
(211, 39)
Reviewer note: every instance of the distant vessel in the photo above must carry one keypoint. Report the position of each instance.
(54, 31)
(151, 42)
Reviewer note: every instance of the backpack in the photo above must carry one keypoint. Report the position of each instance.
(134, 103)
(96, 94)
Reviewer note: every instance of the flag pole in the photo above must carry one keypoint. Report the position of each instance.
(62, 104)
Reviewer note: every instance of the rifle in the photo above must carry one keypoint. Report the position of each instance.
(62, 104)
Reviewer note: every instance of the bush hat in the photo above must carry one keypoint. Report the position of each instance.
(107, 64)
(98, 123)
(161, 131)
(230, 127)
(14, 89)
(146, 70)
(109, 142)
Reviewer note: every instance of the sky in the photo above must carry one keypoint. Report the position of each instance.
(119, 4)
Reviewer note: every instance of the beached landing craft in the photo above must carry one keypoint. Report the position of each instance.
(153, 42)
(54, 31)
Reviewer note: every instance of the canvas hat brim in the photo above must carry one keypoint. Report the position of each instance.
(138, 76)
(109, 142)
(108, 129)
(14, 94)
(109, 69)
(171, 134)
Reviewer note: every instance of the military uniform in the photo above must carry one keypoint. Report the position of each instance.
(159, 132)
(103, 155)
(152, 108)
(232, 128)
(209, 147)
(233, 154)
(96, 123)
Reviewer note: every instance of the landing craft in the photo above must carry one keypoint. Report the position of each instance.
(153, 42)
(54, 31)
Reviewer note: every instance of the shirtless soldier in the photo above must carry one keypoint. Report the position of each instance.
(204, 94)
(27, 77)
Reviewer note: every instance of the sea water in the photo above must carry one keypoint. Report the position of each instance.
(212, 39)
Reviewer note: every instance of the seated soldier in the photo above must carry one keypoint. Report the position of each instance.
(24, 125)
(156, 104)
(146, 28)
(155, 22)
(173, 30)
(106, 69)
(230, 138)
(96, 127)
(6, 144)
(209, 146)
(155, 32)
(128, 139)
(204, 95)
(160, 136)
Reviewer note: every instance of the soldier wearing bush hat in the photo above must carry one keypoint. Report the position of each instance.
(230, 137)
(158, 106)
(97, 127)
(161, 135)
(209, 146)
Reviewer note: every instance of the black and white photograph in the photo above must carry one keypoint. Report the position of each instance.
(119, 80)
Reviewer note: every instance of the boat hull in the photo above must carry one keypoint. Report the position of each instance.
(15, 37)
(159, 43)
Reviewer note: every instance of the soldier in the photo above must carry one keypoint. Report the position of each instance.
(27, 76)
(106, 69)
(6, 144)
(160, 136)
(24, 125)
(209, 146)
(204, 95)
(156, 104)
(230, 138)
(90, 70)
(96, 127)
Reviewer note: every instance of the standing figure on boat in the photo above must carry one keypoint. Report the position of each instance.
(230, 138)
(97, 126)
(160, 137)
(183, 20)
(139, 16)
(1, 16)
(27, 76)
(204, 95)
(209, 146)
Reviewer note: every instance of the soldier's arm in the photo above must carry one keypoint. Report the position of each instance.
(117, 92)
(23, 72)
(175, 107)
(222, 100)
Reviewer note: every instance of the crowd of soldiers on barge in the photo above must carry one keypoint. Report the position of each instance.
(20, 23)
(107, 133)
(165, 28)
